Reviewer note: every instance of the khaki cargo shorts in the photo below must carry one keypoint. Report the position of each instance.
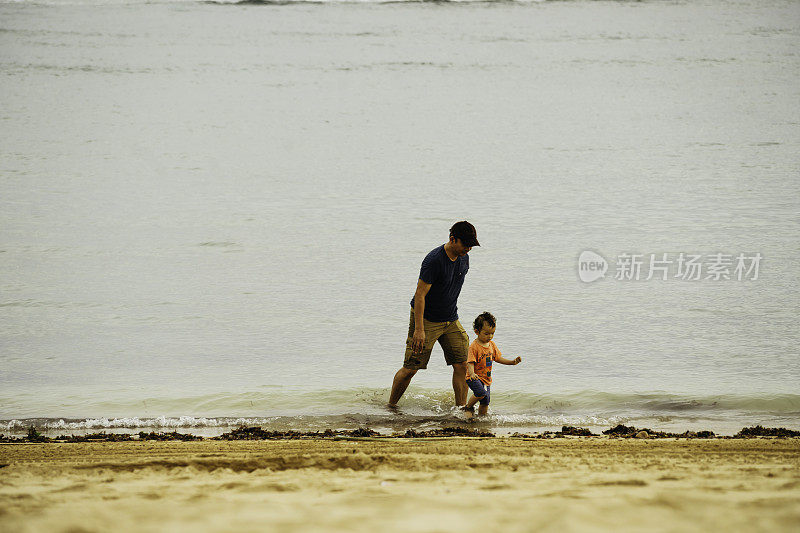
(451, 336)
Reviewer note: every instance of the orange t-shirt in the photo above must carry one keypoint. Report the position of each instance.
(483, 356)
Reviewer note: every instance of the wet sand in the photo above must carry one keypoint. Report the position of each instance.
(451, 484)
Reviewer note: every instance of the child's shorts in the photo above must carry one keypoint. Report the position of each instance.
(479, 389)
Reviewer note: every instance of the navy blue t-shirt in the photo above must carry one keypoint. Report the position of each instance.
(446, 278)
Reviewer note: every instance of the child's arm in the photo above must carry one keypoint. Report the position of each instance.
(504, 361)
(471, 371)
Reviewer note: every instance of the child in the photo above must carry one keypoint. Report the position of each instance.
(482, 352)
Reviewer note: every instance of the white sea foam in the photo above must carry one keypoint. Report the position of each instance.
(557, 420)
(160, 422)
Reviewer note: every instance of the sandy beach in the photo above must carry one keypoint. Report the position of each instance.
(450, 484)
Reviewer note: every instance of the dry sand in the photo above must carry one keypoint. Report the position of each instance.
(496, 484)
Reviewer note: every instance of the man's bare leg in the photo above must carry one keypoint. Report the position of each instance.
(400, 384)
(482, 410)
(460, 383)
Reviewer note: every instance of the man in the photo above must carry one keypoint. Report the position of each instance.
(434, 313)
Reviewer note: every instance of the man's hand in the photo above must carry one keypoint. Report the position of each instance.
(518, 360)
(418, 340)
(472, 375)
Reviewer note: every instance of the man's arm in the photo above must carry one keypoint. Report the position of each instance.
(418, 339)
(504, 361)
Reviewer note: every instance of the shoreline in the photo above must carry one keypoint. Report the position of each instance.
(398, 484)
(258, 433)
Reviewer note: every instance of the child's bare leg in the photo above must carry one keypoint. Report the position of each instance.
(472, 401)
(469, 408)
(482, 410)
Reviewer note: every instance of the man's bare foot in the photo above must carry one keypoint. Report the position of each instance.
(469, 412)
(392, 407)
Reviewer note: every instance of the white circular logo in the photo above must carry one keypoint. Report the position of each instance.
(591, 266)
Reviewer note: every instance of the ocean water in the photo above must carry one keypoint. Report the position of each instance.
(213, 213)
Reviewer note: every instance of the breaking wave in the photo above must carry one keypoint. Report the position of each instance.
(419, 409)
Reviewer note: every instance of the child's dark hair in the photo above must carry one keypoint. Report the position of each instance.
(485, 318)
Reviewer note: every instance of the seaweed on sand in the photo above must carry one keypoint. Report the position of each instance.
(620, 430)
(444, 432)
(760, 431)
(257, 433)
(174, 435)
(95, 437)
(631, 432)
(577, 432)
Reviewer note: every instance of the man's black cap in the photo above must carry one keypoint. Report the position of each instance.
(465, 232)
